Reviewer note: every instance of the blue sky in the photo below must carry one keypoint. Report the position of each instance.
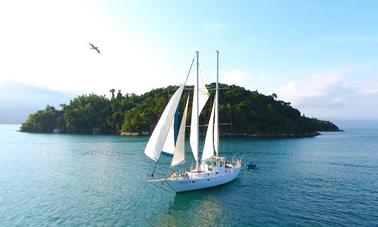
(261, 36)
(319, 55)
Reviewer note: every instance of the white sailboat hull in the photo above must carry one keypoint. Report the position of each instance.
(205, 179)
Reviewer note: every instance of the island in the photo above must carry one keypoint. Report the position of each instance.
(241, 113)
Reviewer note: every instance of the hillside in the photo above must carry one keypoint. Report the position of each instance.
(249, 112)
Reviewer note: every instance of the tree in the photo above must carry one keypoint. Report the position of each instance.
(43, 120)
(112, 91)
(249, 112)
(119, 94)
(87, 114)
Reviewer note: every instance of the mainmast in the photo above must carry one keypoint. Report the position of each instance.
(197, 109)
(217, 104)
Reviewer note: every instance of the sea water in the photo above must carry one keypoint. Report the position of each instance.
(57, 179)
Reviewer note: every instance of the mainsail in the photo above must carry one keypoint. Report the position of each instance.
(198, 102)
(179, 151)
(159, 135)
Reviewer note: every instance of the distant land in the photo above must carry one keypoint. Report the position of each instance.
(249, 112)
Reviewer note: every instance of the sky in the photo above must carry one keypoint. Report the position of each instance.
(322, 56)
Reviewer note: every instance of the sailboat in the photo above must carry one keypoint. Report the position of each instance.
(169, 137)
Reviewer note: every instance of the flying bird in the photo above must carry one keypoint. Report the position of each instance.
(93, 47)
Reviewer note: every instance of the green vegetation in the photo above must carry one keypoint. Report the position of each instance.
(250, 113)
(43, 120)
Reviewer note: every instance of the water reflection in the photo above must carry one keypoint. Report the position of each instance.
(197, 208)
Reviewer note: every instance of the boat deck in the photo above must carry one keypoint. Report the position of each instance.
(207, 171)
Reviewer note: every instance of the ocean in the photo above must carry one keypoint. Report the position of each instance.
(85, 180)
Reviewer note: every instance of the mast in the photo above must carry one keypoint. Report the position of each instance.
(197, 114)
(216, 124)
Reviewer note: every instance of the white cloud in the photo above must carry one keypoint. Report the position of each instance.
(334, 95)
(316, 86)
(369, 88)
(234, 77)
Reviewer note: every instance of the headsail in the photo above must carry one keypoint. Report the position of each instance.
(159, 135)
(179, 154)
(212, 139)
(170, 142)
(203, 96)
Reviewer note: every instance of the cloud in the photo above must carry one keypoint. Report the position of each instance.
(334, 94)
(213, 26)
(317, 85)
(369, 88)
(234, 77)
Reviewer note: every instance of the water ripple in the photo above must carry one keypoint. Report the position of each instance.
(79, 180)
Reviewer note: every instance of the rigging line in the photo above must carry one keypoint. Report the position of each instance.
(232, 135)
(205, 125)
(202, 75)
(213, 128)
(209, 88)
(190, 69)
(203, 90)
(207, 51)
(153, 172)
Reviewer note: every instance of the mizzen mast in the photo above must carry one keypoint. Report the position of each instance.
(197, 109)
(216, 123)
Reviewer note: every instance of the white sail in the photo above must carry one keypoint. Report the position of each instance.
(216, 126)
(169, 144)
(159, 135)
(209, 147)
(179, 154)
(203, 96)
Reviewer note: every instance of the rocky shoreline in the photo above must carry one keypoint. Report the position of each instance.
(255, 135)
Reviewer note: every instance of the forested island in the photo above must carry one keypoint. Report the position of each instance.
(247, 113)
